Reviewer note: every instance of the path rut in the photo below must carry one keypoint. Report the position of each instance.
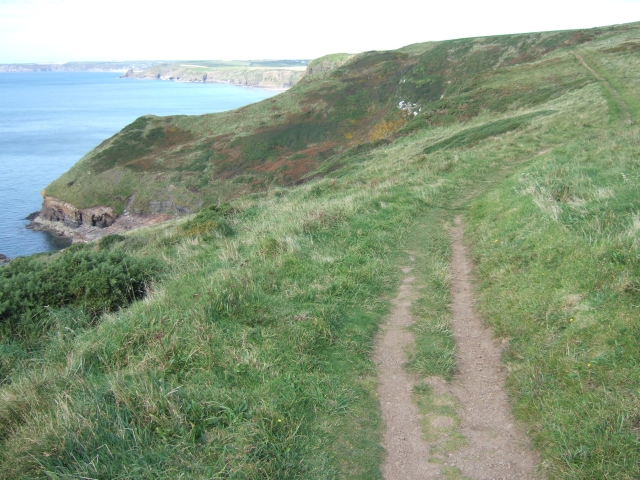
(495, 447)
(407, 454)
(614, 93)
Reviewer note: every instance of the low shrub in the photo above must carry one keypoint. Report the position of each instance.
(106, 242)
(94, 281)
(211, 222)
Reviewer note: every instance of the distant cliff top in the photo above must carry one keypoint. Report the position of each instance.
(278, 74)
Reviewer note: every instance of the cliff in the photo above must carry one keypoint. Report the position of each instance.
(87, 224)
(276, 78)
(328, 63)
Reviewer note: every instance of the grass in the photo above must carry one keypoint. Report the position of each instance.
(249, 358)
(353, 104)
(561, 282)
(278, 382)
(434, 351)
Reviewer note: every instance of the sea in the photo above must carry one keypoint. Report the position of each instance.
(49, 120)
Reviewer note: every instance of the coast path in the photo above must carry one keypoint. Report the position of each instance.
(493, 447)
(615, 95)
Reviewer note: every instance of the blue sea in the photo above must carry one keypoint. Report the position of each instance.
(49, 120)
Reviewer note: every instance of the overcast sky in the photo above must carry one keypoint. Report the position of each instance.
(75, 30)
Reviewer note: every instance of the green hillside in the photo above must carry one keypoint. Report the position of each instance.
(236, 342)
(191, 161)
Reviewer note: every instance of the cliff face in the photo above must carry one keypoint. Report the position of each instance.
(54, 210)
(278, 78)
(328, 63)
(87, 224)
(65, 219)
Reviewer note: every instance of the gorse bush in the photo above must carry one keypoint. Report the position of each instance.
(211, 222)
(106, 242)
(95, 281)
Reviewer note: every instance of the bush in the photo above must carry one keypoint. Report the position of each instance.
(211, 222)
(106, 242)
(94, 281)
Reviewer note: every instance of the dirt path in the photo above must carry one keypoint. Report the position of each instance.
(407, 454)
(494, 448)
(614, 93)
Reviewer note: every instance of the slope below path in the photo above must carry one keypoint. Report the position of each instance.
(494, 447)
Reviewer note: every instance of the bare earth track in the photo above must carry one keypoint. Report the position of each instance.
(495, 448)
(407, 453)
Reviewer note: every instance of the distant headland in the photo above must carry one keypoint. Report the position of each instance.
(76, 66)
(275, 74)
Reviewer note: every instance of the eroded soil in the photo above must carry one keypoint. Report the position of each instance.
(494, 446)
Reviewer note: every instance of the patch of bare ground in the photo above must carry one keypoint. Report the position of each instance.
(407, 453)
(496, 448)
(493, 447)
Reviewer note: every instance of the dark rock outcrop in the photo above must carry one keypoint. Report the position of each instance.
(62, 218)
(54, 210)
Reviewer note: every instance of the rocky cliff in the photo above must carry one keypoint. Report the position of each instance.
(54, 210)
(87, 224)
(62, 218)
(277, 78)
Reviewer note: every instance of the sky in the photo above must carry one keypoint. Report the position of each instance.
(117, 30)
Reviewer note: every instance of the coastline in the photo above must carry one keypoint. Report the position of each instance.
(278, 79)
(88, 233)
(61, 123)
(181, 80)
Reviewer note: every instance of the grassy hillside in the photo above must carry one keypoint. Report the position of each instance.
(190, 161)
(249, 356)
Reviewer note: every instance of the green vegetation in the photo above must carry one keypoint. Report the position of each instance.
(328, 62)
(96, 282)
(249, 357)
(471, 136)
(344, 106)
(557, 250)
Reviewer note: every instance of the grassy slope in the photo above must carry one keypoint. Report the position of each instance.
(251, 357)
(193, 160)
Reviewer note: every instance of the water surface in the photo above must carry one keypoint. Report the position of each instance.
(49, 120)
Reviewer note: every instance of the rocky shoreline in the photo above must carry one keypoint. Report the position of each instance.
(83, 225)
